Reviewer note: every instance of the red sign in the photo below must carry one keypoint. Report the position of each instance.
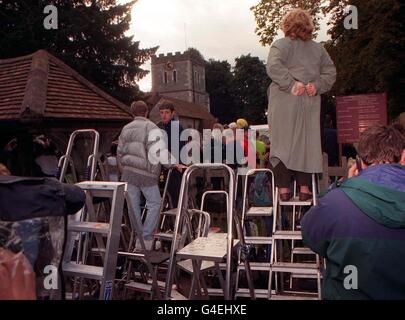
(354, 114)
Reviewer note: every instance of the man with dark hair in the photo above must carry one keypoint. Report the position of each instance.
(138, 169)
(173, 130)
(359, 227)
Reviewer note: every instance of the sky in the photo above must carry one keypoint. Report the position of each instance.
(219, 29)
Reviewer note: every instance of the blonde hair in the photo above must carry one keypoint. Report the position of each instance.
(298, 24)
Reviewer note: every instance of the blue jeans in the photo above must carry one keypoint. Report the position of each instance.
(153, 198)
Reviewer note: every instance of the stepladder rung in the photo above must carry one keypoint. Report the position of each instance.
(296, 202)
(187, 265)
(259, 212)
(215, 292)
(163, 236)
(139, 286)
(305, 276)
(170, 212)
(291, 267)
(287, 235)
(91, 227)
(245, 293)
(82, 270)
(134, 285)
(256, 266)
(258, 240)
(303, 251)
(295, 296)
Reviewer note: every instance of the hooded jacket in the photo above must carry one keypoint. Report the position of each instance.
(361, 224)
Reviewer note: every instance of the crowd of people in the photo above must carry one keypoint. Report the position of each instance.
(360, 222)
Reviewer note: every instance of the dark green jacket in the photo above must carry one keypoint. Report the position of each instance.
(360, 227)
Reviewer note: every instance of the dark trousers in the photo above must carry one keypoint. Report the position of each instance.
(283, 176)
(174, 186)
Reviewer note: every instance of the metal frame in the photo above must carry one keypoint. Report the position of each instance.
(182, 210)
(307, 270)
(91, 160)
(250, 173)
(106, 273)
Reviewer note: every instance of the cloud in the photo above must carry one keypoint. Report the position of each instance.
(222, 30)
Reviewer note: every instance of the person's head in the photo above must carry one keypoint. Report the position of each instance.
(218, 126)
(4, 170)
(233, 126)
(242, 124)
(381, 144)
(166, 112)
(298, 24)
(139, 109)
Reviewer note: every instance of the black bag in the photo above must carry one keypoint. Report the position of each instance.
(27, 198)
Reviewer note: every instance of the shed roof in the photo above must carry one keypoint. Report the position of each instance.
(43, 86)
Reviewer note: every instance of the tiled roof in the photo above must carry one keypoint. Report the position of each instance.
(13, 79)
(183, 108)
(42, 85)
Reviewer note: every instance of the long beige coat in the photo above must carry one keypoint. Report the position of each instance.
(295, 121)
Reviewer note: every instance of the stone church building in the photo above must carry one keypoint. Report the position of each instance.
(180, 79)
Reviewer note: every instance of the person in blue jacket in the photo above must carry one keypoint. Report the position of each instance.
(359, 227)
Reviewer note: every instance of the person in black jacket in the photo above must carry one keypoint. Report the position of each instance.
(173, 130)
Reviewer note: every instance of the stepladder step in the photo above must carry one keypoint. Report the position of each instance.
(94, 227)
(290, 267)
(82, 270)
(287, 235)
(259, 212)
(258, 240)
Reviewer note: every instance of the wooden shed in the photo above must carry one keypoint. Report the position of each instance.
(39, 94)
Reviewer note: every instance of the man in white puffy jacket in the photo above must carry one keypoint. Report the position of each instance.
(141, 166)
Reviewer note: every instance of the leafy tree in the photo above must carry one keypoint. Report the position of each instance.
(269, 15)
(250, 88)
(90, 38)
(219, 84)
(371, 59)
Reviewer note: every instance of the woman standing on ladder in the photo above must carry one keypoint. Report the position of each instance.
(301, 70)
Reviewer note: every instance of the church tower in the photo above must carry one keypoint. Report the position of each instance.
(180, 76)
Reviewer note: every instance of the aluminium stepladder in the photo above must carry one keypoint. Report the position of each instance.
(150, 258)
(168, 214)
(67, 160)
(223, 242)
(87, 224)
(215, 267)
(307, 270)
(259, 212)
(83, 227)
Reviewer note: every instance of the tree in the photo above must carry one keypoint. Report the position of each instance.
(370, 59)
(250, 88)
(269, 15)
(219, 84)
(90, 38)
